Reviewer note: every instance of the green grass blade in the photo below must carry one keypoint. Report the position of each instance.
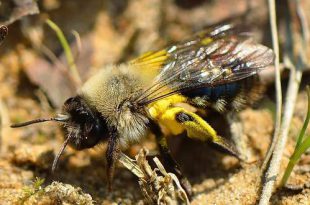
(304, 127)
(294, 159)
(301, 145)
(64, 43)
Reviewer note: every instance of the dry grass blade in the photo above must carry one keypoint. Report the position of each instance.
(170, 176)
(275, 45)
(157, 185)
(78, 44)
(130, 165)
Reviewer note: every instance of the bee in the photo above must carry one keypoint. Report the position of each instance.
(215, 69)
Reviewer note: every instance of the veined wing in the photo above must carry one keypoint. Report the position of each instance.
(213, 57)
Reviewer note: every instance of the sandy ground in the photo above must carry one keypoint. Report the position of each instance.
(112, 33)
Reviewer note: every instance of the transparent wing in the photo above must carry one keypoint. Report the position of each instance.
(215, 56)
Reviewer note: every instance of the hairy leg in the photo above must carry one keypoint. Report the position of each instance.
(169, 162)
(196, 128)
(112, 155)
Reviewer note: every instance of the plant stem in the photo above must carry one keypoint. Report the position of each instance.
(291, 95)
(275, 45)
(272, 172)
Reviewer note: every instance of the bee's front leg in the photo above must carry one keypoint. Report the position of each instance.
(112, 154)
(169, 162)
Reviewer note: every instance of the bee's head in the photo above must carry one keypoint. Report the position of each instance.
(85, 127)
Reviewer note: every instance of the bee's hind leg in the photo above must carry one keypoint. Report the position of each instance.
(170, 164)
(198, 128)
(236, 131)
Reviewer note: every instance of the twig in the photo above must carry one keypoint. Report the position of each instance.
(275, 45)
(291, 95)
(294, 81)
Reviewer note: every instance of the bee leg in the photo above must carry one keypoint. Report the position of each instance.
(236, 131)
(168, 160)
(112, 154)
(198, 128)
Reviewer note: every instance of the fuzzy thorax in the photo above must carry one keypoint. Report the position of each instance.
(111, 92)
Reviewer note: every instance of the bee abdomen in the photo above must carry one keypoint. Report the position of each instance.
(232, 96)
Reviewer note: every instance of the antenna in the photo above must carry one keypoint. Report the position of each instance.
(58, 118)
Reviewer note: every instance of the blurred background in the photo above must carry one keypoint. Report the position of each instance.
(34, 82)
